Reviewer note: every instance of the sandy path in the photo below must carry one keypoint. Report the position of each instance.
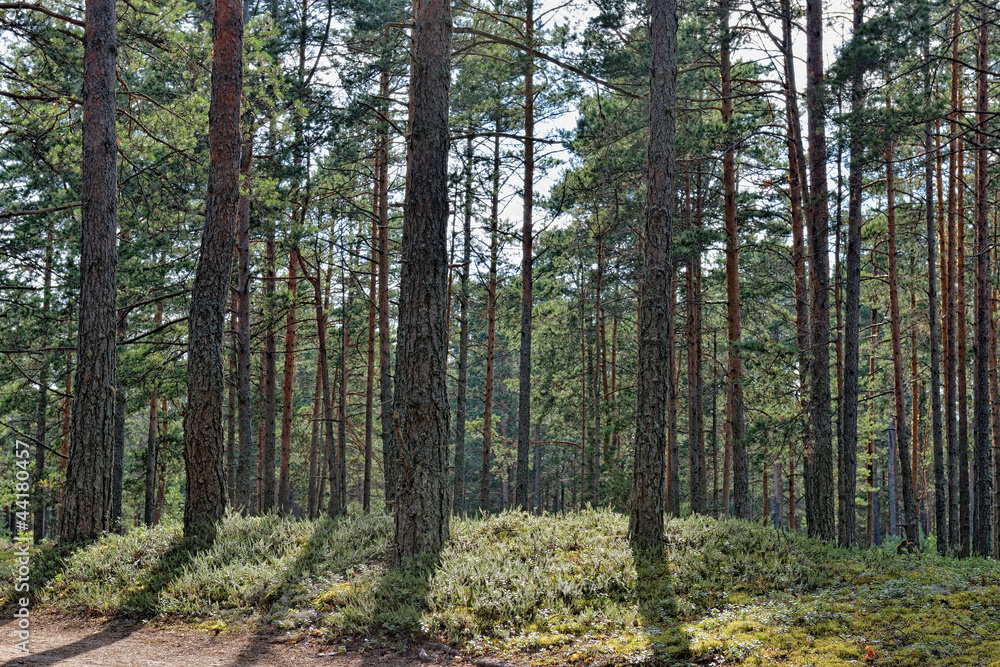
(74, 642)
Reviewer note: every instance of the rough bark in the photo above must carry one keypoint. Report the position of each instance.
(983, 479)
(315, 471)
(422, 510)
(654, 354)
(847, 533)
(821, 461)
(87, 490)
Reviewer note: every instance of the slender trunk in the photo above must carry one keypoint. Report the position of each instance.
(596, 369)
(852, 319)
(118, 470)
(872, 525)
(232, 401)
(87, 493)
(995, 418)
(245, 463)
(932, 308)
(458, 492)
(696, 435)
(66, 421)
(288, 389)
(270, 388)
(902, 439)
(734, 412)
(150, 495)
(981, 543)
(370, 371)
(491, 327)
(345, 347)
(42, 406)
(203, 436)
(654, 356)
(527, 251)
(673, 452)
(315, 471)
(390, 452)
(962, 518)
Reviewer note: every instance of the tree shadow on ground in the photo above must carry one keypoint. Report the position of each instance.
(168, 567)
(393, 620)
(667, 643)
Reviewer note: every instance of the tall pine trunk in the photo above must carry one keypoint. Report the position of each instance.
(245, 473)
(821, 461)
(654, 356)
(203, 435)
(270, 388)
(422, 510)
(87, 490)
(491, 327)
(852, 318)
(983, 481)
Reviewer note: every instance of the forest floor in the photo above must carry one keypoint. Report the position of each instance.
(509, 589)
(73, 641)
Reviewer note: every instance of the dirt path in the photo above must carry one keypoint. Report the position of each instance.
(74, 642)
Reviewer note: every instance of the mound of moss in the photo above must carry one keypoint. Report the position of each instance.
(555, 589)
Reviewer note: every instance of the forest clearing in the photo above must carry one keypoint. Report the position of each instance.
(499, 332)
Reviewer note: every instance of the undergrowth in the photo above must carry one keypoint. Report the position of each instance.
(552, 589)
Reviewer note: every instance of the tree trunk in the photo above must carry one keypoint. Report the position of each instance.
(203, 436)
(288, 389)
(596, 370)
(42, 407)
(902, 440)
(345, 348)
(315, 471)
(270, 388)
(962, 518)
(852, 319)
(654, 356)
(734, 414)
(245, 477)
(150, 495)
(696, 434)
(946, 488)
(491, 328)
(422, 510)
(673, 445)
(932, 308)
(527, 250)
(366, 491)
(458, 493)
(390, 452)
(87, 491)
(821, 460)
(981, 543)
(118, 469)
